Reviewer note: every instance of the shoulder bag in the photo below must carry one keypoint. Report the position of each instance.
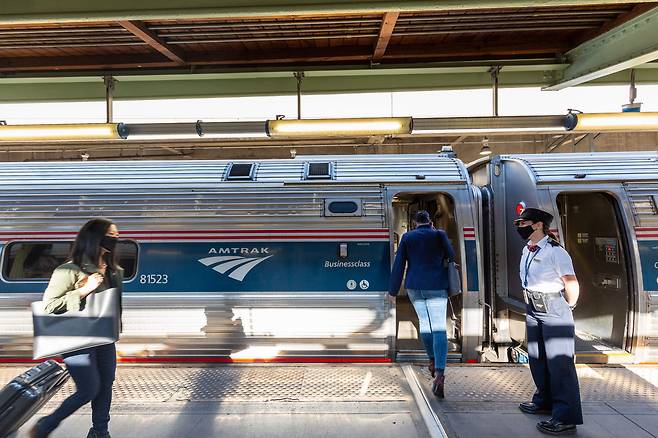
(454, 276)
(96, 324)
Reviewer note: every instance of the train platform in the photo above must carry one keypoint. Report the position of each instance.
(389, 400)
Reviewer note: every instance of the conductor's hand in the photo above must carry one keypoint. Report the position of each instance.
(391, 299)
(93, 281)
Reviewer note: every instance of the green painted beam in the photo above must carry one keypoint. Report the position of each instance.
(627, 46)
(49, 11)
(283, 83)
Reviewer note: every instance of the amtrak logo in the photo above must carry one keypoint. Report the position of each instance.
(238, 265)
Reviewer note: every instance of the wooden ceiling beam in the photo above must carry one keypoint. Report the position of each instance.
(282, 57)
(142, 32)
(64, 63)
(385, 32)
(429, 51)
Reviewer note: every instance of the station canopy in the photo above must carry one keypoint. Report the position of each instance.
(174, 48)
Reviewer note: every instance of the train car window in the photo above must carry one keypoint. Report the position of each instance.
(127, 258)
(241, 172)
(342, 207)
(37, 260)
(33, 260)
(318, 171)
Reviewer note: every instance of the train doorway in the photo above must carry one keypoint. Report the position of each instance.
(441, 207)
(592, 228)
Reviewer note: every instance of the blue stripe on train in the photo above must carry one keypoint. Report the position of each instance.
(253, 266)
(649, 261)
(472, 278)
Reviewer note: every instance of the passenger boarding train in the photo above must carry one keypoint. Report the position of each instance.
(289, 260)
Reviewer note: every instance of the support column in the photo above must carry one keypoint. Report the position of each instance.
(109, 97)
(300, 77)
(494, 72)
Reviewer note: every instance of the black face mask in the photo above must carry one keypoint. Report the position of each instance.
(525, 232)
(108, 243)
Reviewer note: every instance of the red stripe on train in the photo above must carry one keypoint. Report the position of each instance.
(246, 238)
(321, 231)
(155, 360)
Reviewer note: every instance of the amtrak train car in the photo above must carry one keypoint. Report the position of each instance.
(606, 215)
(272, 260)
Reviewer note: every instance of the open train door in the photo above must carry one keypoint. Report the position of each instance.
(594, 232)
(454, 210)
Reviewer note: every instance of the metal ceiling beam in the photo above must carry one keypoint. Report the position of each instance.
(48, 11)
(140, 30)
(629, 45)
(388, 24)
(282, 82)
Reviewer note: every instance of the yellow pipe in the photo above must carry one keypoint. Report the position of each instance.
(85, 131)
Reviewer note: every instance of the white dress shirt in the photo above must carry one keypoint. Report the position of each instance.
(545, 267)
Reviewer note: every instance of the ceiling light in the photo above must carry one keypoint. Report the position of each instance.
(630, 121)
(339, 127)
(85, 131)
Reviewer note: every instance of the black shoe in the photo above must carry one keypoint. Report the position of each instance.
(93, 433)
(438, 385)
(431, 368)
(38, 430)
(555, 427)
(531, 408)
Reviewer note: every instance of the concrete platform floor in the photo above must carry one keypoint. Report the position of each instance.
(482, 401)
(355, 401)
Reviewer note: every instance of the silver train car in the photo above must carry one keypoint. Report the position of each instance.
(289, 260)
(606, 210)
(271, 260)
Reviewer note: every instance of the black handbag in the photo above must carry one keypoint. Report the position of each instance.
(96, 324)
(454, 279)
(454, 276)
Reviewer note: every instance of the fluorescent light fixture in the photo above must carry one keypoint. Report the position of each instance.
(630, 121)
(85, 131)
(339, 127)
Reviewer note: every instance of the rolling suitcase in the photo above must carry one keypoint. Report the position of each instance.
(26, 394)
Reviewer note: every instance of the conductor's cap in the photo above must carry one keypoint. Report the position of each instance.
(535, 215)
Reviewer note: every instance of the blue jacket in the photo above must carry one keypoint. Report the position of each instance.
(423, 251)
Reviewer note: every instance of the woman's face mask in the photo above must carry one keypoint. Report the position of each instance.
(108, 243)
(525, 230)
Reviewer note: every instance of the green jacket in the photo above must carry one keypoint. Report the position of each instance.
(63, 291)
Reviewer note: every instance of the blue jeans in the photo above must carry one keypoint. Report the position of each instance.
(92, 370)
(430, 307)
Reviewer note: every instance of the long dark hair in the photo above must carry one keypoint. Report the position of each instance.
(546, 230)
(87, 244)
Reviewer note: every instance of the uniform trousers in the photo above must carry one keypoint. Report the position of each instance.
(551, 355)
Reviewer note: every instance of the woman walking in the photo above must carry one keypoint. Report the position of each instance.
(92, 268)
(423, 253)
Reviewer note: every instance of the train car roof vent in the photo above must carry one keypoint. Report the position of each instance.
(318, 170)
(241, 172)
